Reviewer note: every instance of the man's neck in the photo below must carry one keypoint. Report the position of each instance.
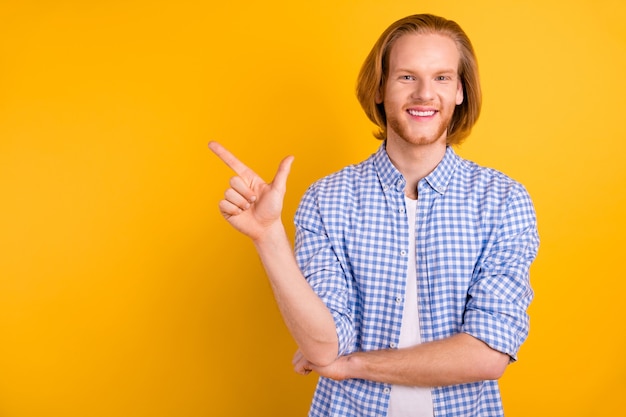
(415, 161)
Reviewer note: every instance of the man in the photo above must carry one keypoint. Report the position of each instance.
(409, 289)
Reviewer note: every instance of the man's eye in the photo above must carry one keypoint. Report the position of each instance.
(407, 77)
(442, 78)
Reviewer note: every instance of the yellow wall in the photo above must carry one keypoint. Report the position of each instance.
(124, 293)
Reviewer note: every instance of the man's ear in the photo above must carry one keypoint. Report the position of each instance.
(379, 96)
(459, 93)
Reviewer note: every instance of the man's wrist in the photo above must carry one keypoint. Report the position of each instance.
(273, 235)
(353, 366)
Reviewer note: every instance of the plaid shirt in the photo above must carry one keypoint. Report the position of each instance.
(476, 238)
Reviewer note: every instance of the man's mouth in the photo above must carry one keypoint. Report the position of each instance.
(421, 113)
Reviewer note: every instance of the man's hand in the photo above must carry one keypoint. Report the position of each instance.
(338, 370)
(251, 205)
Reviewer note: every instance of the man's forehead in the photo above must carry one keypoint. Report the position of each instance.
(425, 49)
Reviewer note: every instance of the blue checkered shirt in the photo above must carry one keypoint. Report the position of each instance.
(476, 237)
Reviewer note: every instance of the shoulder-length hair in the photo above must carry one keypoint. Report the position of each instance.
(374, 73)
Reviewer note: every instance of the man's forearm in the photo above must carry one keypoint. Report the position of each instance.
(456, 360)
(306, 316)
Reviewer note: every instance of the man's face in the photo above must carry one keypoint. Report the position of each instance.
(422, 89)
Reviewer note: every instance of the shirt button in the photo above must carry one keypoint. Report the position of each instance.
(386, 390)
(398, 300)
(403, 253)
(401, 210)
(392, 345)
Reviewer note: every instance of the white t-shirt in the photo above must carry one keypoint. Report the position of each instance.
(410, 401)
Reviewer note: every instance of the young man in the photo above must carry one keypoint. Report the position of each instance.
(409, 286)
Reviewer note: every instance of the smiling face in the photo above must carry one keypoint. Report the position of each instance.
(422, 89)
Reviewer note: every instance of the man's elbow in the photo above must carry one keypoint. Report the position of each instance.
(493, 368)
(486, 362)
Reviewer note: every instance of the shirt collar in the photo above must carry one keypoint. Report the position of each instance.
(438, 179)
(441, 175)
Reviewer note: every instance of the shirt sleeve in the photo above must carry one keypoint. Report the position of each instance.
(500, 292)
(320, 264)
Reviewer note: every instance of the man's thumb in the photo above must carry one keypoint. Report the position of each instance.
(280, 179)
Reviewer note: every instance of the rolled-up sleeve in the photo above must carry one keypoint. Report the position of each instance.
(500, 292)
(323, 269)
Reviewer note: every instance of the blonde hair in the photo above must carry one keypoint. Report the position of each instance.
(374, 72)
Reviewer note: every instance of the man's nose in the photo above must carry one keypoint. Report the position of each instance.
(423, 91)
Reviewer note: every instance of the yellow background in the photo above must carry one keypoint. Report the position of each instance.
(124, 293)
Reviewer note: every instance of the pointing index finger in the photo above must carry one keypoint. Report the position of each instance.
(228, 158)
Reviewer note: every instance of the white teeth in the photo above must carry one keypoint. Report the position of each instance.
(421, 113)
